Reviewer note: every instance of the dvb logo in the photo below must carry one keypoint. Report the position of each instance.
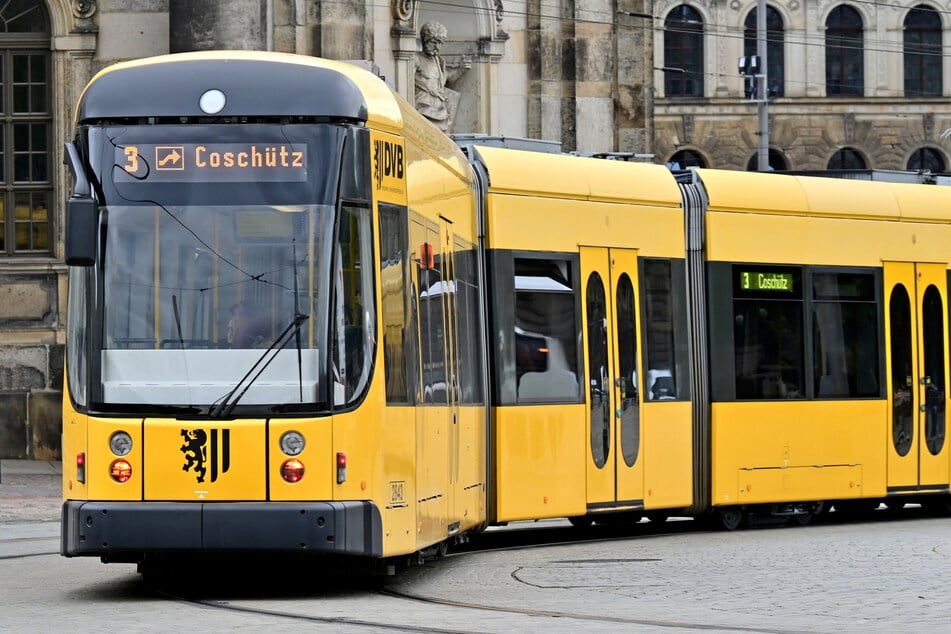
(387, 161)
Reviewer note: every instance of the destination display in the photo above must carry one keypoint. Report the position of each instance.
(766, 281)
(212, 162)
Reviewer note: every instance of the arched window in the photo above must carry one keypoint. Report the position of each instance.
(923, 52)
(683, 53)
(686, 158)
(26, 128)
(775, 59)
(777, 161)
(846, 159)
(845, 66)
(926, 158)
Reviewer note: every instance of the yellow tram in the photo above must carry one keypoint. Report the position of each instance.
(302, 319)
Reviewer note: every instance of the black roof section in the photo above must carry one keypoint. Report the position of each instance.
(171, 87)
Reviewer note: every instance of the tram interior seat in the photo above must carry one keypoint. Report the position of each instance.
(549, 385)
(661, 384)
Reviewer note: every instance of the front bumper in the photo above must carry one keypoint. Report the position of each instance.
(113, 528)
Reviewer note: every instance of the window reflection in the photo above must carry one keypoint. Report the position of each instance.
(660, 329)
(902, 371)
(598, 371)
(845, 335)
(545, 358)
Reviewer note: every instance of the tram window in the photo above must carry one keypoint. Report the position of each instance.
(768, 332)
(353, 310)
(546, 360)
(79, 283)
(399, 340)
(664, 330)
(469, 359)
(845, 335)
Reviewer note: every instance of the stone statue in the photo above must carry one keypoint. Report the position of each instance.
(434, 100)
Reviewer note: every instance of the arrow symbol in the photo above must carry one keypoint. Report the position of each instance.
(172, 157)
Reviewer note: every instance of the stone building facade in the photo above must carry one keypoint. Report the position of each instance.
(572, 71)
(854, 84)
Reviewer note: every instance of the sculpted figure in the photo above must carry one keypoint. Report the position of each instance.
(434, 100)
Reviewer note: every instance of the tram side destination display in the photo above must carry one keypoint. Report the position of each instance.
(212, 162)
(766, 281)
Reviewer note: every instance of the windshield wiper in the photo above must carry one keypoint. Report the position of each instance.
(227, 404)
(225, 407)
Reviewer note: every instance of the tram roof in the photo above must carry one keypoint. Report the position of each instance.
(522, 172)
(255, 84)
(758, 192)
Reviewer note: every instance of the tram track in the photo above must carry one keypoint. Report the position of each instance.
(589, 618)
(582, 620)
(25, 555)
(312, 618)
(348, 602)
(450, 610)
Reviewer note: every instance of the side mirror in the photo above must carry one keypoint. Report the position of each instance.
(82, 231)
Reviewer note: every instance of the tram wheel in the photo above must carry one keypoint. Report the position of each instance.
(731, 518)
(801, 519)
(813, 511)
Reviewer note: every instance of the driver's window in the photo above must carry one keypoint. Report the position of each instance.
(353, 311)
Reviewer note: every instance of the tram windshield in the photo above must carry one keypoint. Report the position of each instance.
(213, 280)
(193, 296)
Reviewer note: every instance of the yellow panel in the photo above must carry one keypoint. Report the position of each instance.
(357, 435)
(471, 477)
(923, 202)
(751, 191)
(668, 454)
(399, 474)
(822, 241)
(541, 458)
(852, 198)
(320, 462)
(432, 472)
(787, 434)
(514, 223)
(437, 145)
(798, 484)
(776, 193)
(204, 460)
(99, 458)
(74, 443)
(560, 175)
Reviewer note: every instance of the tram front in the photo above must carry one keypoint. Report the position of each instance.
(220, 308)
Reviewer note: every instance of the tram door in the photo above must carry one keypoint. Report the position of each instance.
(437, 434)
(917, 351)
(615, 474)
